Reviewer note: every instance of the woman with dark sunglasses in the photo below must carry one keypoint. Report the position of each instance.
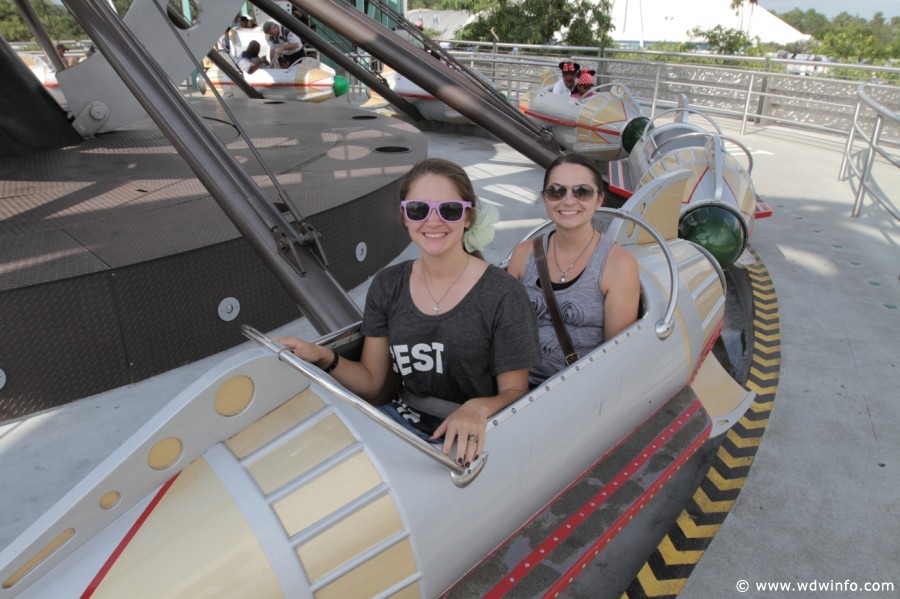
(595, 281)
(449, 324)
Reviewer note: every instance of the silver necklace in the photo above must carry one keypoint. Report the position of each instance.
(564, 273)
(437, 303)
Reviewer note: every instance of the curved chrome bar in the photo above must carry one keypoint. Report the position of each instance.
(700, 134)
(460, 475)
(587, 96)
(712, 260)
(744, 148)
(873, 147)
(707, 134)
(688, 110)
(664, 326)
(717, 148)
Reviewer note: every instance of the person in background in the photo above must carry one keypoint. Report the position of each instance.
(61, 52)
(594, 280)
(285, 47)
(250, 59)
(456, 330)
(223, 44)
(91, 50)
(584, 84)
(566, 84)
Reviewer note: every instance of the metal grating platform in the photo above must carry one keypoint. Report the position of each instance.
(116, 246)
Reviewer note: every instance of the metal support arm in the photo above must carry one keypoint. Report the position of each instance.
(461, 475)
(317, 293)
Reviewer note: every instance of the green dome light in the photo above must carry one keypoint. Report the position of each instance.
(633, 131)
(340, 86)
(716, 227)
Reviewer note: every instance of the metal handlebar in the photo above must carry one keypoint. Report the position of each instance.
(666, 325)
(692, 134)
(460, 475)
(689, 111)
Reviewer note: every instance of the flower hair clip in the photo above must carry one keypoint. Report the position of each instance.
(481, 232)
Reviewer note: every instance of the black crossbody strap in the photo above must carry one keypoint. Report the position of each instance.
(565, 342)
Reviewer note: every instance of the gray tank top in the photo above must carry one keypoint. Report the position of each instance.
(581, 306)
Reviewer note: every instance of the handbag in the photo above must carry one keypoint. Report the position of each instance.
(565, 342)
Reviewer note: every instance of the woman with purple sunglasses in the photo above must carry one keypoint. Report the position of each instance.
(452, 327)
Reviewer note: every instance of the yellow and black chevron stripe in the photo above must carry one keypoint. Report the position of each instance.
(674, 559)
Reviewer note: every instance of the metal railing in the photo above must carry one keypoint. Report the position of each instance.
(461, 475)
(860, 163)
(743, 90)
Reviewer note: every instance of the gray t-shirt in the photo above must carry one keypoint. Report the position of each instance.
(455, 355)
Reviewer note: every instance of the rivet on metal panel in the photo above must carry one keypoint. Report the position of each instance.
(229, 308)
(361, 251)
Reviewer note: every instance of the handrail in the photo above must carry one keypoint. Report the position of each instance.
(707, 135)
(666, 324)
(461, 475)
(850, 167)
(758, 96)
(688, 110)
(596, 88)
(658, 149)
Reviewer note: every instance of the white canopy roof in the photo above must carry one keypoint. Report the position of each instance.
(445, 22)
(642, 22)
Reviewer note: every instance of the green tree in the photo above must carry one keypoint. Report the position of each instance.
(469, 5)
(736, 5)
(539, 21)
(11, 26)
(849, 45)
(56, 18)
(590, 25)
(810, 22)
(723, 40)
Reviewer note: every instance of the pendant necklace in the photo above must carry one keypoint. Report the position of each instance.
(437, 303)
(564, 273)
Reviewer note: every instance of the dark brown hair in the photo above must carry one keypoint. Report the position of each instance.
(579, 160)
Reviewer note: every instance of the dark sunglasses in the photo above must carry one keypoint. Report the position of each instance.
(450, 211)
(582, 193)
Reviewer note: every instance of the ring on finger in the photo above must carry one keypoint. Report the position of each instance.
(473, 438)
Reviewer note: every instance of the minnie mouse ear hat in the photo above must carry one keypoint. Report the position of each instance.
(569, 67)
(585, 78)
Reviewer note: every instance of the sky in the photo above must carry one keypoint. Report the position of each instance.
(831, 8)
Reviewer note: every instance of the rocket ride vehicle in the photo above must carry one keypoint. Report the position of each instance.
(307, 80)
(266, 477)
(590, 125)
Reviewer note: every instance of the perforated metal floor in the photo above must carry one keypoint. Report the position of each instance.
(116, 247)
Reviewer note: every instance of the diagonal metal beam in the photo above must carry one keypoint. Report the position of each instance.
(432, 75)
(316, 292)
